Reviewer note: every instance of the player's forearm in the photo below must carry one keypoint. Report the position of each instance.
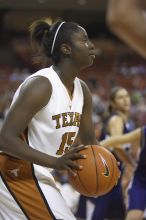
(131, 137)
(89, 141)
(123, 157)
(87, 137)
(115, 143)
(111, 142)
(17, 148)
(118, 8)
(126, 19)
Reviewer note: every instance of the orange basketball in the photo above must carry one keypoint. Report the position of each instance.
(100, 172)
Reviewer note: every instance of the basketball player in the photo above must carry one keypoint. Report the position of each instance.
(127, 19)
(137, 189)
(111, 205)
(48, 110)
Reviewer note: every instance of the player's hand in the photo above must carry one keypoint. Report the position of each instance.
(105, 144)
(66, 162)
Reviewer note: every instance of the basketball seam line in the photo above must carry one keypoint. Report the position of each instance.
(96, 165)
(113, 169)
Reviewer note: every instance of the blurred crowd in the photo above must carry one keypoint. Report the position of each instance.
(114, 65)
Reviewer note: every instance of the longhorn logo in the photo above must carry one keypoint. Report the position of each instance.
(15, 172)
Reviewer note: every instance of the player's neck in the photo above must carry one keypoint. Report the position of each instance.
(67, 78)
(124, 115)
(66, 74)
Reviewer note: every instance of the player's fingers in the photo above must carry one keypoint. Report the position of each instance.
(74, 165)
(79, 148)
(70, 171)
(118, 163)
(119, 174)
(76, 156)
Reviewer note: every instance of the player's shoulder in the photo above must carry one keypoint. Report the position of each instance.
(37, 82)
(41, 75)
(43, 71)
(115, 119)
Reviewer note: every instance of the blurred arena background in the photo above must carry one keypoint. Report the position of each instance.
(115, 63)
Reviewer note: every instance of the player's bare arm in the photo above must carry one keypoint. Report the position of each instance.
(87, 133)
(34, 95)
(122, 139)
(127, 19)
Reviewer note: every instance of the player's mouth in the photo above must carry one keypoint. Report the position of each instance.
(92, 55)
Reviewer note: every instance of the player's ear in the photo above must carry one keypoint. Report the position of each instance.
(65, 49)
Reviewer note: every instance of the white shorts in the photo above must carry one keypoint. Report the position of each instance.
(24, 197)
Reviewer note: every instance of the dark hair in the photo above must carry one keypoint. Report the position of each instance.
(112, 97)
(110, 111)
(42, 36)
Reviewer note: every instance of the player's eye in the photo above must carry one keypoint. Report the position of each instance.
(85, 40)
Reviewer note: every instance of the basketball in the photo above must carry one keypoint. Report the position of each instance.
(100, 172)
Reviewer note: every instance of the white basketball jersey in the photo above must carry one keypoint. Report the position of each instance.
(54, 128)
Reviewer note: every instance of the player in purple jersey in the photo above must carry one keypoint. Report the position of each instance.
(137, 187)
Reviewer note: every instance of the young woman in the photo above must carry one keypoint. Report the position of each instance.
(137, 188)
(49, 109)
(117, 122)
